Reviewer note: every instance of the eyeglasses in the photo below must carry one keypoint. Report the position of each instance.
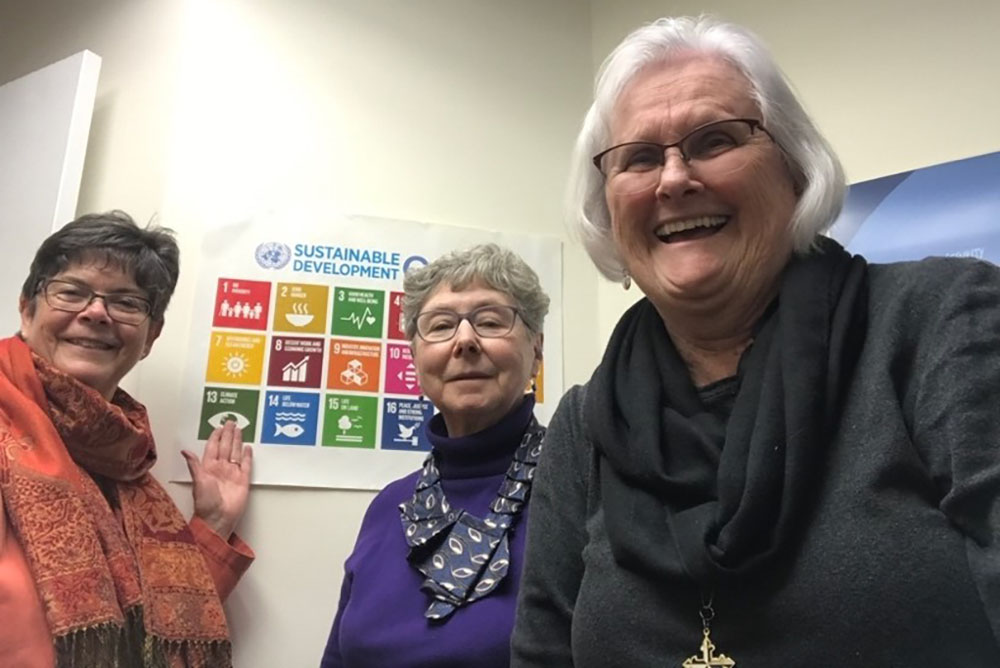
(71, 297)
(489, 322)
(635, 166)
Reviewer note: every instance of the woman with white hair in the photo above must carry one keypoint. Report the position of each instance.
(787, 456)
(434, 574)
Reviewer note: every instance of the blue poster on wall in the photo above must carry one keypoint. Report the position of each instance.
(951, 209)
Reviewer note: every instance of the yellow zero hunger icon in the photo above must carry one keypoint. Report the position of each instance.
(301, 307)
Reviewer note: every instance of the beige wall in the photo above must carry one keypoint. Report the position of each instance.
(449, 111)
(893, 84)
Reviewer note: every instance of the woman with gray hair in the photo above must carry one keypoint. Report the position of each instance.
(434, 574)
(787, 456)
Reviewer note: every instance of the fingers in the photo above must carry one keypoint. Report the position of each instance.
(226, 441)
(212, 445)
(246, 463)
(194, 466)
(236, 453)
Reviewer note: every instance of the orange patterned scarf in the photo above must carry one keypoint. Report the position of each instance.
(116, 566)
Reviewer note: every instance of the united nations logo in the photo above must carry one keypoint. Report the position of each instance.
(272, 255)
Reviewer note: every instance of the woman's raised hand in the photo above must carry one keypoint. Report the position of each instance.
(221, 478)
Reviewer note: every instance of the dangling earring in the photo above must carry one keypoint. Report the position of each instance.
(534, 386)
(626, 280)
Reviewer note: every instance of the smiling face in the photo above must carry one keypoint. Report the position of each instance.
(741, 238)
(88, 345)
(475, 381)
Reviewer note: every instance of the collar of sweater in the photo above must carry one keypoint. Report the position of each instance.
(484, 453)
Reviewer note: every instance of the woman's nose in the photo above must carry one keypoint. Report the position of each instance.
(96, 310)
(466, 338)
(676, 176)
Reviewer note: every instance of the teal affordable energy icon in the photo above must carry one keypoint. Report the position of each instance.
(349, 421)
(358, 312)
(219, 404)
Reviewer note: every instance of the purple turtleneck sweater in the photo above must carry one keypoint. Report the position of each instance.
(380, 620)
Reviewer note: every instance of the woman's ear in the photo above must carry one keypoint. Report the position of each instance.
(538, 345)
(27, 309)
(155, 328)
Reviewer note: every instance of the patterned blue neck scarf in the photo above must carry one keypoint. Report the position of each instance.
(463, 557)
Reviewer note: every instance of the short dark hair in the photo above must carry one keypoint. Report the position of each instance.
(149, 255)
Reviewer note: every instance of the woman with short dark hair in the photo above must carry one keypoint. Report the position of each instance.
(97, 565)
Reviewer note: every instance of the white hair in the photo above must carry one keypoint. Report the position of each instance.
(818, 176)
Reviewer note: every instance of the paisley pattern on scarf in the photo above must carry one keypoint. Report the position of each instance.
(464, 557)
(120, 577)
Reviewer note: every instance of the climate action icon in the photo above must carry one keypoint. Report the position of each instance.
(220, 404)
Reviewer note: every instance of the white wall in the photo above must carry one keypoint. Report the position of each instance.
(44, 126)
(893, 84)
(448, 111)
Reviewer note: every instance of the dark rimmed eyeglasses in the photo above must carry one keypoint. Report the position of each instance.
(635, 166)
(490, 322)
(123, 307)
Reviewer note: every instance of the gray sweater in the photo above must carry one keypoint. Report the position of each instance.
(899, 561)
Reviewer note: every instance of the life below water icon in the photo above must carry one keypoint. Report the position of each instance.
(300, 315)
(291, 429)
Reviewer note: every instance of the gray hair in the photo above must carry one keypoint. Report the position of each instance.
(149, 255)
(499, 268)
(818, 176)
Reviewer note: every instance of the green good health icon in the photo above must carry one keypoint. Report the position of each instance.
(358, 312)
(349, 421)
(219, 404)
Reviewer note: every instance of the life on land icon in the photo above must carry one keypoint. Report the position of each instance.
(350, 421)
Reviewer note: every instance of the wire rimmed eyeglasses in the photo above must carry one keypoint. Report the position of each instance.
(634, 166)
(490, 322)
(123, 307)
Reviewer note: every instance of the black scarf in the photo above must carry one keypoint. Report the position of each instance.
(686, 495)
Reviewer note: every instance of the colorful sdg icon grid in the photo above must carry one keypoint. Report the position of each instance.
(312, 365)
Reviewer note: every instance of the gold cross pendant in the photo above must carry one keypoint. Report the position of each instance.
(708, 658)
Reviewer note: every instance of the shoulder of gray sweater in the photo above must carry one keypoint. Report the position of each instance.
(904, 293)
